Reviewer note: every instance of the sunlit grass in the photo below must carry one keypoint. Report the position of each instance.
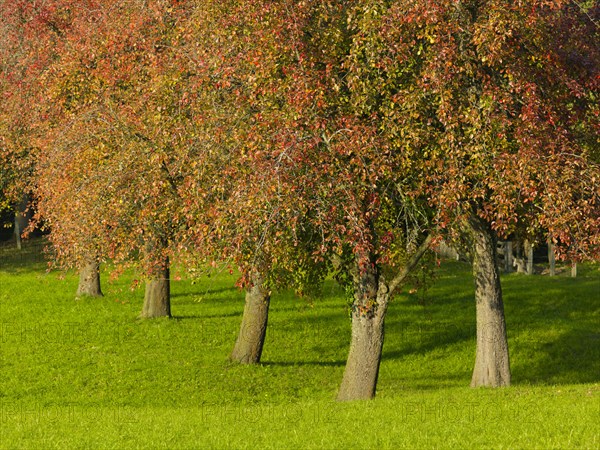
(87, 373)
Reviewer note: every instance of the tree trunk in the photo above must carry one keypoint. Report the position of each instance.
(249, 345)
(371, 298)
(364, 358)
(551, 258)
(157, 299)
(89, 280)
(22, 218)
(492, 366)
(18, 232)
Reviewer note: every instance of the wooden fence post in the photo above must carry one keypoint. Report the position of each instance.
(508, 256)
(529, 256)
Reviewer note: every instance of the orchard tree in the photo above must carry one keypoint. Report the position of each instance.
(237, 205)
(73, 211)
(20, 63)
(35, 36)
(105, 94)
(494, 103)
(127, 63)
(307, 172)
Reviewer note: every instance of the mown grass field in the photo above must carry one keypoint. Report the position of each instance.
(88, 374)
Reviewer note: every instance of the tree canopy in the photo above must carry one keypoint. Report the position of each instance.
(279, 136)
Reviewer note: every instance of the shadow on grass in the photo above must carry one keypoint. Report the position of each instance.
(303, 363)
(30, 258)
(432, 382)
(572, 358)
(208, 316)
(427, 345)
(205, 291)
(554, 325)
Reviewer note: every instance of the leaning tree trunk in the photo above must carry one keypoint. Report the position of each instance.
(249, 345)
(89, 280)
(157, 299)
(492, 367)
(371, 297)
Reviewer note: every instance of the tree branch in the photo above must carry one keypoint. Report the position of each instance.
(412, 262)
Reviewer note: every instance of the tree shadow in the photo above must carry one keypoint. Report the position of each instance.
(208, 316)
(551, 325)
(187, 317)
(572, 358)
(554, 327)
(31, 257)
(304, 363)
(432, 382)
(427, 344)
(208, 293)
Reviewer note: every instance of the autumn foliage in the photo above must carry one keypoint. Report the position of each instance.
(292, 139)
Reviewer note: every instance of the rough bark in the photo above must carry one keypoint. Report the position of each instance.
(89, 280)
(371, 297)
(249, 344)
(157, 298)
(492, 366)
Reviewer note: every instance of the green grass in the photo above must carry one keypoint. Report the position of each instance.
(88, 374)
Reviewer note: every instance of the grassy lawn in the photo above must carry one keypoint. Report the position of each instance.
(87, 373)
